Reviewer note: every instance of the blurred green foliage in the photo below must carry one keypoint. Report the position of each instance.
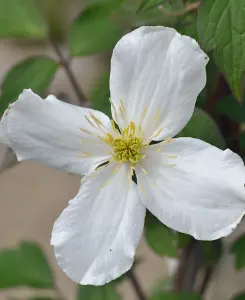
(22, 19)
(35, 73)
(105, 292)
(238, 249)
(25, 265)
(94, 31)
(176, 296)
(219, 25)
(160, 238)
(202, 126)
(239, 297)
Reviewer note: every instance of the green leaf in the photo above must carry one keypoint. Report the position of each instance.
(100, 95)
(159, 237)
(95, 30)
(221, 27)
(202, 126)
(25, 265)
(238, 249)
(21, 19)
(35, 73)
(240, 297)
(212, 251)
(231, 108)
(90, 292)
(176, 296)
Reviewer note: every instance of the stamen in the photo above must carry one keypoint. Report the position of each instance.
(122, 109)
(85, 131)
(85, 154)
(114, 109)
(144, 170)
(156, 118)
(144, 113)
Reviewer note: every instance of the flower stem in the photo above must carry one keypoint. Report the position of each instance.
(189, 7)
(66, 64)
(135, 283)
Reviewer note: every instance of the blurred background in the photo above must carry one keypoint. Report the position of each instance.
(63, 47)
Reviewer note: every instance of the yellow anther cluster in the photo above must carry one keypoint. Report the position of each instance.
(128, 149)
(126, 146)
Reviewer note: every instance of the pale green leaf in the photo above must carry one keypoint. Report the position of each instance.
(222, 27)
(95, 30)
(35, 73)
(90, 292)
(202, 126)
(160, 238)
(21, 19)
(25, 265)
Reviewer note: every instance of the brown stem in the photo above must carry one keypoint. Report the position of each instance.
(189, 7)
(206, 280)
(66, 64)
(135, 283)
(190, 263)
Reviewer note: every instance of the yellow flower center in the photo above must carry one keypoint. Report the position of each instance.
(128, 149)
(126, 146)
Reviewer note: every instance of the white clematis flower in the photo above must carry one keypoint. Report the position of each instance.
(191, 186)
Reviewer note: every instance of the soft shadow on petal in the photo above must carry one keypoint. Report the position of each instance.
(95, 237)
(200, 192)
(48, 131)
(157, 74)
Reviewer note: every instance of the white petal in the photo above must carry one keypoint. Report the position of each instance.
(96, 235)
(202, 195)
(157, 74)
(48, 131)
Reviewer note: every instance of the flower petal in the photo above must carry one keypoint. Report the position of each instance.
(49, 131)
(156, 75)
(200, 192)
(95, 237)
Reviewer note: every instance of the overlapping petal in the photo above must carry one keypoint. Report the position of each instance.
(49, 131)
(156, 76)
(96, 235)
(200, 192)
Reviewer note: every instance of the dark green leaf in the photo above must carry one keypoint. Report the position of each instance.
(35, 73)
(212, 252)
(238, 249)
(242, 141)
(21, 19)
(90, 292)
(176, 296)
(231, 108)
(202, 126)
(25, 265)
(95, 30)
(159, 237)
(183, 239)
(100, 95)
(222, 27)
(239, 297)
